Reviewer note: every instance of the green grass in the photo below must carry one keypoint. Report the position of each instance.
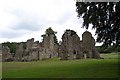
(55, 68)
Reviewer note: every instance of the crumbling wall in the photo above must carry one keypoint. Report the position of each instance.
(32, 50)
(88, 45)
(70, 47)
(19, 52)
(48, 49)
(6, 53)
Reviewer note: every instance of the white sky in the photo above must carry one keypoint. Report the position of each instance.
(24, 19)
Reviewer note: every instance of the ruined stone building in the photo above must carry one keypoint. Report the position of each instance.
(32, 50)
(37, 51)
(72, 48)
(0, 52)
(49, 46)
(0, 48)
(19, 52)
(88, 45)
(6, 53)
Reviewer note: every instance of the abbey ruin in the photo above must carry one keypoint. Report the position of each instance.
(71, 47)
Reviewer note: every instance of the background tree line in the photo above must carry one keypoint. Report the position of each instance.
(13, 45)
(104, 49)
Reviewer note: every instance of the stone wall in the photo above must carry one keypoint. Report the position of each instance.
(48, 47)
(88, 45)
(19, 52)
(0, 52)
(6, 53)
(72, 48)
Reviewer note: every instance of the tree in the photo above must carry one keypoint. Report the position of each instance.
(11, 45)
(105, 18)
(49, 32)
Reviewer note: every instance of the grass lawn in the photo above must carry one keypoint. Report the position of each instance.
(55, 68)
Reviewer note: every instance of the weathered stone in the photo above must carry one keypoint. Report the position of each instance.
(0, 52)
(32, 49)
(88, 45)
(35, 51)
(6, 53)
(48, 49)
(29, 43)
(70, 46)
(19, 52)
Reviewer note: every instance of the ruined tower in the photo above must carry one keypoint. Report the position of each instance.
(70, 47)
(88, 45)
(49, 45)
(19, 52)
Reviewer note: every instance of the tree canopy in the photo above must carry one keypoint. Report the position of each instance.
(12, 46)
(105, 18)
(48, 32)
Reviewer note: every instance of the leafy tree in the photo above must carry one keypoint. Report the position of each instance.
(24, 45)
(11, 45)
(48, 32)
(109, 49)
(105, 18)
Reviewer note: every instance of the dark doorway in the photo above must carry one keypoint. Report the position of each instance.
(74, 53)
(85, 54)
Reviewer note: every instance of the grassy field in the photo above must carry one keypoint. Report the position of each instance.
(54, 68)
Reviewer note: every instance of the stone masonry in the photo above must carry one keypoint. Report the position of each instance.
(6, 53)
(88, 45)
(70, 48)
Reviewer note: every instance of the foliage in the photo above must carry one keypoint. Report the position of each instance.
(110, 49)
(24, 45)
(72, 32)
(11, 45)
(105, 18)
(48, 32)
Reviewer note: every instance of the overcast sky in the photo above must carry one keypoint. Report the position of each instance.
(24, 19)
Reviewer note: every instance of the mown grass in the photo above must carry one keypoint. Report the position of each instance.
(55, 68)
